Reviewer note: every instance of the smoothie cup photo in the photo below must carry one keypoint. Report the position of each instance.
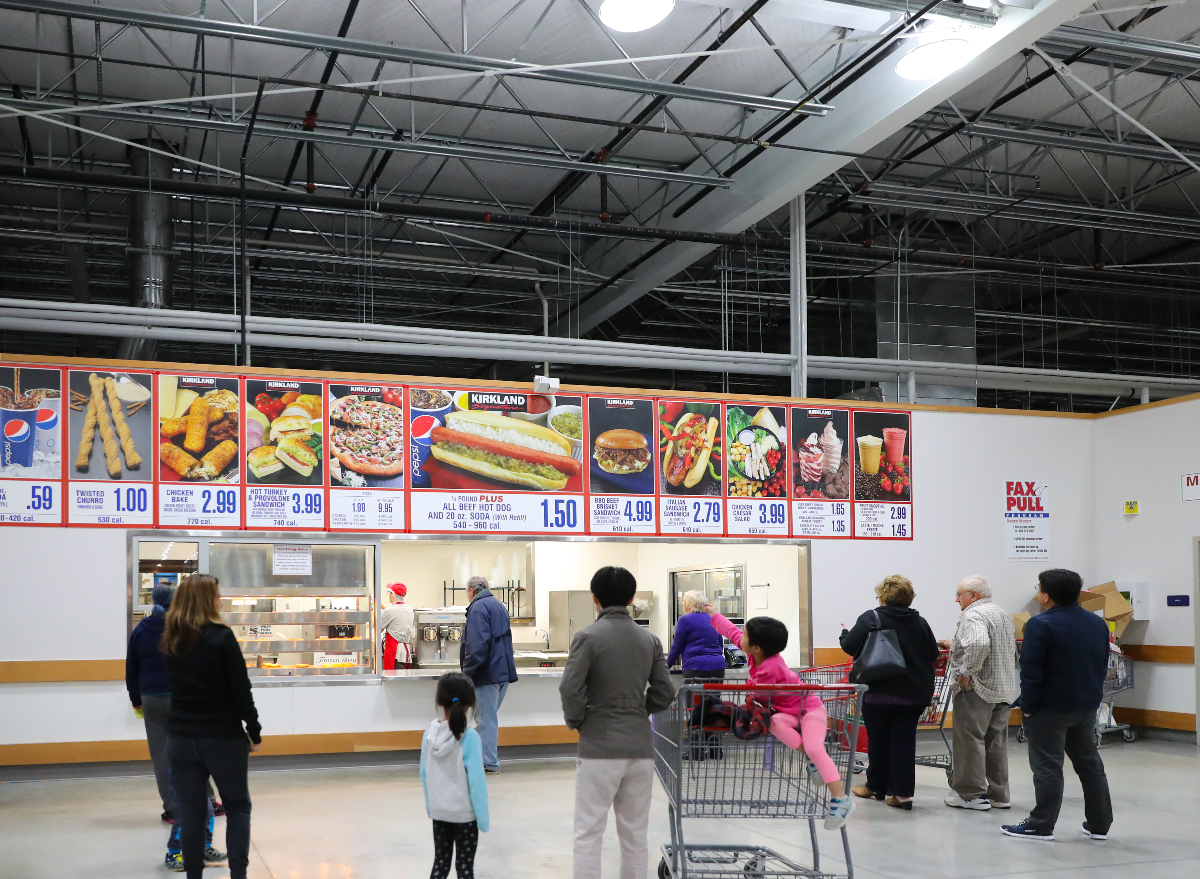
(893, 444)
(869, 448)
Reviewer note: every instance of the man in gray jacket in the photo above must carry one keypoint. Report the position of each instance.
(614, 680)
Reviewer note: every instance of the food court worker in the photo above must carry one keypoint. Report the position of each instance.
(398, 630)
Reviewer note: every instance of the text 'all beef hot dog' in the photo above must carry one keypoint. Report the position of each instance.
(505, 449)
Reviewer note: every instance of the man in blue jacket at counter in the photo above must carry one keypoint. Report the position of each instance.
(1064, 660)
(487, 659)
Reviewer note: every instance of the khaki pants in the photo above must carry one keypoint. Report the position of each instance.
(980, 748)
(625, 786)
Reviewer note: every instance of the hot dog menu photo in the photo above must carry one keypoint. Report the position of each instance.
(882, 475)
(285, 445)
(366, 457)
(199, 436)
(757, 469)
(30, 445)
(495, 460)
(621, 465)
(690, 464)
(111, 440)
(821, 456)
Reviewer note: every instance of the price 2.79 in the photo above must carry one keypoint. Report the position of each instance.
(563, 514)
(706, 511)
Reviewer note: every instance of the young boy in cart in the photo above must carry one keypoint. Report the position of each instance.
(799, 720)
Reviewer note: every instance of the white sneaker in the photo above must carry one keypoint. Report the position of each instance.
(1087, 832)
(839, 810)
(957, 802)
(998, 805)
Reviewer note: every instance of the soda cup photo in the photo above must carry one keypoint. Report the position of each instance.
(18, 435)
(420, 431)
(49, 430)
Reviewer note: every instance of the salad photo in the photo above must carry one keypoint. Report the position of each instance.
(689, 446)
(757, 451)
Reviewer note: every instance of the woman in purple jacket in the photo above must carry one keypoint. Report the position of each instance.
(697, 642)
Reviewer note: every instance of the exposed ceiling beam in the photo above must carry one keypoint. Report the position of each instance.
(1125, 44)
(386, 51)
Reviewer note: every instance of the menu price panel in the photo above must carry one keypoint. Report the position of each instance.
(366, 457)
(821, 519)
(506, 513)
(690, 478)
(199, 460)
(756, 470)
(495, 461)
(110, 432)
(283, 453)
(882, 475)
(30, 503)
(621, 472)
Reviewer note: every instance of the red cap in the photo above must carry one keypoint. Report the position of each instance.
(398, 589)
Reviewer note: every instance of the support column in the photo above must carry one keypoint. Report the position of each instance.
(798, 312)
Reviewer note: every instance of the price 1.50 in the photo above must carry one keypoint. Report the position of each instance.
(308, 504)
(564, 513)
(220, 501)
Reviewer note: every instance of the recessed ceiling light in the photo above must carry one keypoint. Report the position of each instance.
(936, 59)
(630, 16)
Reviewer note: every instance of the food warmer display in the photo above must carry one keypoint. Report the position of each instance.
(320, 623)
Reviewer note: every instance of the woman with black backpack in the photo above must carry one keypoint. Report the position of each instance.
(898, 691)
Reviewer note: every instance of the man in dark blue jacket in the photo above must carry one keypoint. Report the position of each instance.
(1064, 659)
(487, 659)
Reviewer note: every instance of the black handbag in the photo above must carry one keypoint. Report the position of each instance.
(881, 657)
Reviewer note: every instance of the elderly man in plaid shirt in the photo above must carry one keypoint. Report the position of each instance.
(983, 663)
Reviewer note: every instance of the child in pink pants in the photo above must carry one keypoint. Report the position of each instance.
(800, 720)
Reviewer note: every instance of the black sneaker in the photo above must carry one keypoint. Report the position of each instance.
(218, 809)
(167, 817)
(1087, 832)
(1024, 831)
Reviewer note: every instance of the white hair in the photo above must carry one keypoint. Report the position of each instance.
(978, 585)
(694, 600)
(476, 583)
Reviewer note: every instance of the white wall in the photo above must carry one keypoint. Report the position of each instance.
(425, 565)
(1141, 455)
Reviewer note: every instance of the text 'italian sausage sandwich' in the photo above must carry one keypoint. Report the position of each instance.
(505, 449)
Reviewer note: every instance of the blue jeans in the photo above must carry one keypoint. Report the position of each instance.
(488, 699)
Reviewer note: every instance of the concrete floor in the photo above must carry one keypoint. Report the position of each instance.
(368, 822)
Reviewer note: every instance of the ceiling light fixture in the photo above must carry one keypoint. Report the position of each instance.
(631, 16)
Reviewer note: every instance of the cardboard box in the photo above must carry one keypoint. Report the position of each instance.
(1019, 621)
(1091, 601)
(1118, 612)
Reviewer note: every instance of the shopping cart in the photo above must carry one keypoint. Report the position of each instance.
(707, 772)
(930, 752)
(840, 674)
(1117, 679)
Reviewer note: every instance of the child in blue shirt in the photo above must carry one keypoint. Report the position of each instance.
(452, 774)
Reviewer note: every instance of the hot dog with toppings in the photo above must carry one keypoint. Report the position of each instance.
(505, 449)
(688, 449)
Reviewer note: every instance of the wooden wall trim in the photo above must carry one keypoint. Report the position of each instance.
(61, 671)
(1178, 655)
(286, 745)
(830, 656)
(1156, 719)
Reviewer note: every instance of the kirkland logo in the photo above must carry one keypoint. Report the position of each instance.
(197, 380)
(365, 389)
(618, 404)
(283, 386)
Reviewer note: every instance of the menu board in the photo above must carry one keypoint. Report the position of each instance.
(199, 441)
(621, 471)
(689, 467)
(495, 460)
(110, 432)
(285, 423)
(882, 478)
(30, 446)
(756, 474)
(366, 457)
(821, 457)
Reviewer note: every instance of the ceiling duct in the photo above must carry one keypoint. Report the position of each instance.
(151, 242)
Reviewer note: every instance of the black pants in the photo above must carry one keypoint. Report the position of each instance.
(226, 760)
(699, 677)
(451, 835)
(1050, 735)
(892, 747)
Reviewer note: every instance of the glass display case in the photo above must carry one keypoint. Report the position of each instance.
(724, 587)
(310, 614)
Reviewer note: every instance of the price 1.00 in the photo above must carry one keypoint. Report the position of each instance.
(131, 500)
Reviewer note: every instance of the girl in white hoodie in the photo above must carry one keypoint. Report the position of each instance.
(452, 773)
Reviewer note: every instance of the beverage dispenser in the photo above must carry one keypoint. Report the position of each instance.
(439, 637)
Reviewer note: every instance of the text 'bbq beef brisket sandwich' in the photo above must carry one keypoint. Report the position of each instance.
(621, 451)
(505, 449)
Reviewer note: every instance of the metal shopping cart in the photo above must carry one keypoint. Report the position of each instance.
(1117, 679)
(840, 674)
(707, 772)
(931, 752)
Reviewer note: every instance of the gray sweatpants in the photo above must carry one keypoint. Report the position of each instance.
(980, 748)
(155, 707)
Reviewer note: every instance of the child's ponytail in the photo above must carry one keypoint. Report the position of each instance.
(455, 694)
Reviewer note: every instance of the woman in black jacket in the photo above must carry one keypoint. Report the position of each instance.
(210, 702)
(892, 707)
